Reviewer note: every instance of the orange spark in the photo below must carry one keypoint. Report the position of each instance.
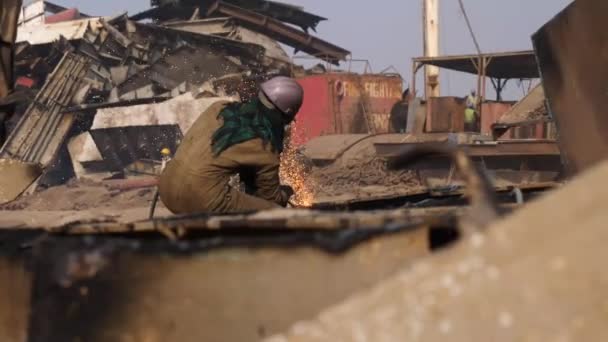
(293, 172)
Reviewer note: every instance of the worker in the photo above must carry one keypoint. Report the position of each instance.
(470, 112)
(399, 112)
(233, 138)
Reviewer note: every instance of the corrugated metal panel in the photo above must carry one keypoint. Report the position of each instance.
(45, 34)
(43, 127)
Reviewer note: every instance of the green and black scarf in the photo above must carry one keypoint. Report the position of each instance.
(246, 121)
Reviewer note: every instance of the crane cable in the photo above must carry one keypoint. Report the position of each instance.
(466, 18)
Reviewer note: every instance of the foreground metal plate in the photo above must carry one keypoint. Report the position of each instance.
(227, 285)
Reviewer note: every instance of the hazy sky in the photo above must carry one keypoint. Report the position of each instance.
(388, 32)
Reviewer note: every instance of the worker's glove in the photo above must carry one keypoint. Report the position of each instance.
(287, 191)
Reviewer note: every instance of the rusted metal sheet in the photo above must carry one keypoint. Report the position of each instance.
(533, 129)
(532, 147)
(438, 193)
(345, 104)
(573, 63)
(67, 15)
(445, 114)
(284, 33)
(366, 103)
(491, 112)
(317, 116)
(508, 163)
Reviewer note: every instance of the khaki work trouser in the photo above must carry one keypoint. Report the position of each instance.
(194, 194)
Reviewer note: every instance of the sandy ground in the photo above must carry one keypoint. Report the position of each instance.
(83, 195)
(79, 201)
(356, 174)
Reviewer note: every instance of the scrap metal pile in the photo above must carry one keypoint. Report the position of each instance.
(98, 96)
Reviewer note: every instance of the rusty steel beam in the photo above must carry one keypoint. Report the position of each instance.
(511, 148)
(282, 32)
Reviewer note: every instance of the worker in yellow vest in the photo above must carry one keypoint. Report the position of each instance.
(471, 115)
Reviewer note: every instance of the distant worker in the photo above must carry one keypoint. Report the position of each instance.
(229, 139)
(398, 118)
(470, 113)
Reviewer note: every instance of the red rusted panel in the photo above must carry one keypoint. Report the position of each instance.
(445, 114)
(490, 113)
(346, 104)
(67, 15)
(315, 117)
(25, 82)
